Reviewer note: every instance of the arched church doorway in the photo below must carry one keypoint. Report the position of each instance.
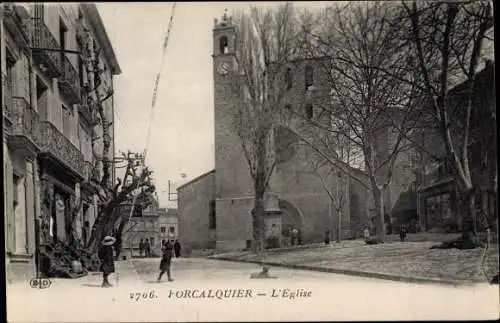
(290, 218)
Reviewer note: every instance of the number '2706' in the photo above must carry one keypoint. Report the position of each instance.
(143, 295)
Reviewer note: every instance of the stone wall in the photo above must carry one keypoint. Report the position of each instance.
(194, 209)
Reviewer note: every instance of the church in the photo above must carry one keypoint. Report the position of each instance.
(215, 208)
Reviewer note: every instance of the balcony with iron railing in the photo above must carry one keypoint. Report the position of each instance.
(15, 17)
(25, 130)
(53, 143)
(69, 82)
(45, 47)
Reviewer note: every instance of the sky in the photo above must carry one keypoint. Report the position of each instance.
(182, 128)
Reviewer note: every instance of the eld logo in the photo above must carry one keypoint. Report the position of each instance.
(40, 283)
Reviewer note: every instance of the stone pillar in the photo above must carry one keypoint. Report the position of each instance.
(20, 217)
(30, 207)
(46, 205)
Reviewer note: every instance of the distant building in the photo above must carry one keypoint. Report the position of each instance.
(168, 222)
(48, 125)
(153, 223)
(215, 208)
(196, 207)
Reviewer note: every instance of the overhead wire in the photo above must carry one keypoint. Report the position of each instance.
(153, 101)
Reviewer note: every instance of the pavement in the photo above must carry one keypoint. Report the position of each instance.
(212, 290)
(409, 261)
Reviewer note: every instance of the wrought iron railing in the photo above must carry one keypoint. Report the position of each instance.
(14, 22)
(69, 81)
(44, 45)
(53, 142)
(25, 121)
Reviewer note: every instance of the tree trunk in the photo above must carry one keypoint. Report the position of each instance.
(469, 219)
(378, 198)
(119, 234)
(258, 219)
(99, 229)
(339, 224)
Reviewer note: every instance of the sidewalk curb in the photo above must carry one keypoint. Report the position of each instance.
(271, 251)
(348, 272)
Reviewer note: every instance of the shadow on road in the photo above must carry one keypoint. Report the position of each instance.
(157, 282)
(91, 285)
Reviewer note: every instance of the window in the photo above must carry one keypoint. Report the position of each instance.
(162, 229)
(309, 76)
(309, 111)
(62, 38)
(289, 78)
(212, 224)
(172, 230)
(15, 181)
(223, 45)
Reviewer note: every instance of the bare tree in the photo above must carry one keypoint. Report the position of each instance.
(371, 110)
(137, 179)
(265, 45)
(447, 40)
(335, 187)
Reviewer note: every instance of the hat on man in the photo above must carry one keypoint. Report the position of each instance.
(108, 241)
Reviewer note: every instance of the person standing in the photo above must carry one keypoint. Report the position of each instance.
(141, 247)
(366, 233)
(166, 261)
(294, 235)
(402, 233)
(107, 259)
(147, 248)
(177, 249)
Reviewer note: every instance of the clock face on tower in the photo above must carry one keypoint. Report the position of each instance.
(224, 68)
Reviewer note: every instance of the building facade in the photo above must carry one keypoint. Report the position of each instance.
(168, 222)
(50, 152)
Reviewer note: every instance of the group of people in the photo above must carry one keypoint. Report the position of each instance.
(106, 257)
(144, 248)
(295, 237)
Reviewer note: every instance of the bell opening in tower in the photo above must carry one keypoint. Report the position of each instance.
(223, 45)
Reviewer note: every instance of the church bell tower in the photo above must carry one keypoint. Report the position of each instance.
(224, 47)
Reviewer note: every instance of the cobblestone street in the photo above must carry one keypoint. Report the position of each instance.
(409, 259)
